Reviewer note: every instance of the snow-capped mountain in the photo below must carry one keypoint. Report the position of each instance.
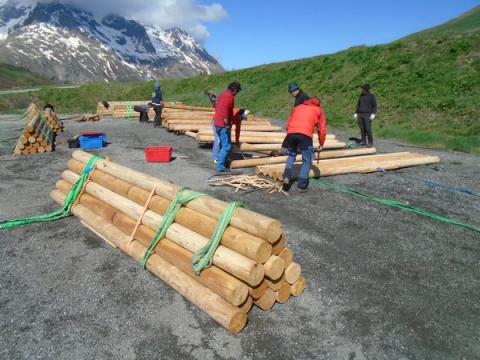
(67, 44)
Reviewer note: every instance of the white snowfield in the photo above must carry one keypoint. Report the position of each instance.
(84, 47)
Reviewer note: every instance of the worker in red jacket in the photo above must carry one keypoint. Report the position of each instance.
(300, 125)
(238, 116)
(223, 120)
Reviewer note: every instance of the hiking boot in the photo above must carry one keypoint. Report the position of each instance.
(224, 172)
(286, 185)
(302, 189)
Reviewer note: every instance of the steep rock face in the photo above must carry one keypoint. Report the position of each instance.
(67, 44)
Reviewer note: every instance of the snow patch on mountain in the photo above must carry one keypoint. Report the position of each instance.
(71, 45)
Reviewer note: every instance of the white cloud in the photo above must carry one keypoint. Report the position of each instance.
(187, 14)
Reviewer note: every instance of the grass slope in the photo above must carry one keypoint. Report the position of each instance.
(427, 86)
(15, 77)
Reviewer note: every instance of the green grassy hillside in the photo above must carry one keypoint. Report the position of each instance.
(16, 77)
(427, 86)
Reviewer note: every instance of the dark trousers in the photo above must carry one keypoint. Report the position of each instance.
(303, 144)
(158, 115)
(365, 125)
(143, 112)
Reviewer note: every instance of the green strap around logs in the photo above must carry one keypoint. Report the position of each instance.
(182, 197)
(204, 257)
(67, 205)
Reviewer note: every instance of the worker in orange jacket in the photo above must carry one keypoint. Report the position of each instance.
(300, 126)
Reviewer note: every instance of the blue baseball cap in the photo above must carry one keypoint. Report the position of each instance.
(293, 87)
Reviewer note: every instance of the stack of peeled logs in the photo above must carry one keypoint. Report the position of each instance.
(38, 136)
(252, 265)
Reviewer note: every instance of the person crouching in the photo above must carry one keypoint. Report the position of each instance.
(303, 120)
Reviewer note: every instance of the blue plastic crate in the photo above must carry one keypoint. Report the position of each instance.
(93, 141)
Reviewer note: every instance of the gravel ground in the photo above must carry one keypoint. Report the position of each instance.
(381, 283)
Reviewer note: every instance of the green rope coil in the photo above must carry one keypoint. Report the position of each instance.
(130, 112)
(204, 257)
(67, 205)
(182, 197)
(393, 203)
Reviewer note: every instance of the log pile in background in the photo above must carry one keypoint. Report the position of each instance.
(32, 111)
(119, 109)
(38, 135)
(53, 121)
(359, 164)
(251, 266)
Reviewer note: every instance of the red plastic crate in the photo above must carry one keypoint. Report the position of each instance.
(158, 153)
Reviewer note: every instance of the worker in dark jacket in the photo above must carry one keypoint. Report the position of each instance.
(223, 119)
(365, 113)
(297, 93)
(157, 103)
(300, 97)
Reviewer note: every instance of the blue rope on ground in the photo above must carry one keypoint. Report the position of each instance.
(433, 183)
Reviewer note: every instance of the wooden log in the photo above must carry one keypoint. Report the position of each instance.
(283, 294)
(188, 107)
(233, 238)
(275, 285)
(230, 261)
(201, 127)
(292, 273)
(287, 256)
(278, 146)
(244, 219)
(190, 117)
(270, 140)
(331, 154)
(279, 245)
(191, 134)
(258, 291)
(33, 124)
(274, 267)
(298, 287)
(208, 122)
(267, 301)
(217, 280)
(255, 133)
(360, 164)
(247, 305)
(224, 313)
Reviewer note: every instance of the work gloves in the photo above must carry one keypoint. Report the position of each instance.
(372, 117)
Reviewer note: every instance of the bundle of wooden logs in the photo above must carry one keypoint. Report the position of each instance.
(124, 109)
(38, 135)
(53, 121)
(358, 164)
(31, 112)
(252, 265)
